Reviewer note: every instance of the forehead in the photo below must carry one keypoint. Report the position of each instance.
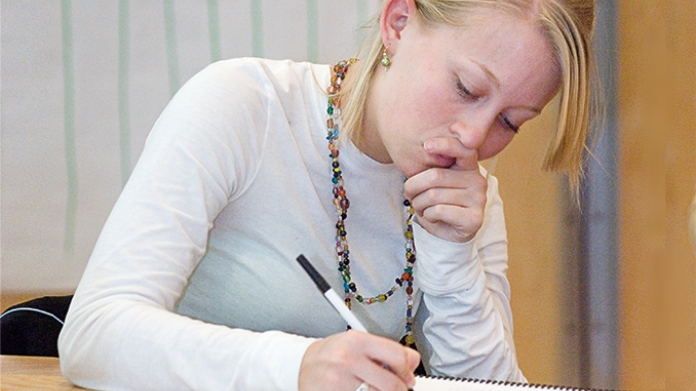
(502, 40)
(509, 49)
(486, 25)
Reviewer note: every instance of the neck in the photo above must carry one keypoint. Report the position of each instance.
(365, 136)
(370, 141)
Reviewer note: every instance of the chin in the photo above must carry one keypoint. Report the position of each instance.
(410, 170)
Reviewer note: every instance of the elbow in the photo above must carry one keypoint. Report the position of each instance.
(79, 349)
(69, 344)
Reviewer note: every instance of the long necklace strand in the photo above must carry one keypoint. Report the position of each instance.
(342, 204)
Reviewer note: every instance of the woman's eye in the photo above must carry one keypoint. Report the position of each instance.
(465, 92)
(509, 124)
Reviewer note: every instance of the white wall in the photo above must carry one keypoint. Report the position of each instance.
(83, 81)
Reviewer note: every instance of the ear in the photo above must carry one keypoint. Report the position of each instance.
(396, 14)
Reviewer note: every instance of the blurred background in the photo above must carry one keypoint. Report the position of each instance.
(603, 291)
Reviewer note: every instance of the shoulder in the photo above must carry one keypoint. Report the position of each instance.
(228, 79)
(269, 74)
(253, 83)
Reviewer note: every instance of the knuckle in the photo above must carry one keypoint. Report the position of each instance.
(477, 220)
(480, 200)
(343, 355)
(437, 174)
(434, 212)
(479, 181)
(432, 196)
(400, 360)
(484, 184)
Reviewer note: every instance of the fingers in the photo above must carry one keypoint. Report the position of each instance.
(449, 199)
(351, 358)
(380, 377)
(450, 150)
(398, 360)
(445, 186)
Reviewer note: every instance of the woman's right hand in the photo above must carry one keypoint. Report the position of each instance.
(345, 361)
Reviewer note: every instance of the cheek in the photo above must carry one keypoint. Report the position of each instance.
(426, 108)
(495, 144)
(425, 104)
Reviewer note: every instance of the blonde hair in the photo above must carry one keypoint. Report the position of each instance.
(567, 25)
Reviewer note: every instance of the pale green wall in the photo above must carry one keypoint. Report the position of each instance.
(83, 82)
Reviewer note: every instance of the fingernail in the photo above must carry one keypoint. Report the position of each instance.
(428, 145)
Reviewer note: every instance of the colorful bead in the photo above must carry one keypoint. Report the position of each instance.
(342, 204)
(410, 339)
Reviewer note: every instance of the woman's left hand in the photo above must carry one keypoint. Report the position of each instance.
(449, 201)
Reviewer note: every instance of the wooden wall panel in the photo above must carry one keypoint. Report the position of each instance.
(641, 39)
(532, 204)
(657, 101)
(680, 181)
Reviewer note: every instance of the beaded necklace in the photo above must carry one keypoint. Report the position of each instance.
(341, 202)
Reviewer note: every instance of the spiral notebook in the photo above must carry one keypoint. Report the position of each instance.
(431, 383)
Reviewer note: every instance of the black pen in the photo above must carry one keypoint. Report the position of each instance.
(331, 295)
(335, 302)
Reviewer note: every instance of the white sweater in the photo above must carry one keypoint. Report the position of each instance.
(193, 283)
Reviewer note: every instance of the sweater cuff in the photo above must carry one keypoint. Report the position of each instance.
(444, 267)
(283, 354)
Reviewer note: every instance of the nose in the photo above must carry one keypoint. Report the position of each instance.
(472, 131)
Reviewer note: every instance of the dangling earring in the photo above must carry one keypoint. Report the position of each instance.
(386, 62)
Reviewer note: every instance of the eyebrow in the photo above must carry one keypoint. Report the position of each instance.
(487, 72)
(495, 81)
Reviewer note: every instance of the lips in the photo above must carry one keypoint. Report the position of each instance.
(440, 161)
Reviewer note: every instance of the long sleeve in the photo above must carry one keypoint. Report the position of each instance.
(468, 321)
(121, 332)
(193, 285)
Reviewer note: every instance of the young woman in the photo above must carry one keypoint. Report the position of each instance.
(370, 169)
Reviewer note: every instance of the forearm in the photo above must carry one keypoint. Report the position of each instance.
(469, 336)
(126, 344)
(469, 327)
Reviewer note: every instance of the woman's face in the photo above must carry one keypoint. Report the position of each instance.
(477, 84)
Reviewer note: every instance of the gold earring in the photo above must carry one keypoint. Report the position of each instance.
(386, 62)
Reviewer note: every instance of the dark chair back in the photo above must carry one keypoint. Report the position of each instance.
(32, 328)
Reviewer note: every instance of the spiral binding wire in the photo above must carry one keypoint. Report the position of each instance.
(501, 385)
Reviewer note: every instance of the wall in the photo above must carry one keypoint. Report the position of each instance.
(680, 180)
(535, 221)
(83, 82)
(658, 174)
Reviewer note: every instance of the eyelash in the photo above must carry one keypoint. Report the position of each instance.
(467, 94)
(508, 124)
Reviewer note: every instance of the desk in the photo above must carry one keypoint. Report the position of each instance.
(32, 373)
